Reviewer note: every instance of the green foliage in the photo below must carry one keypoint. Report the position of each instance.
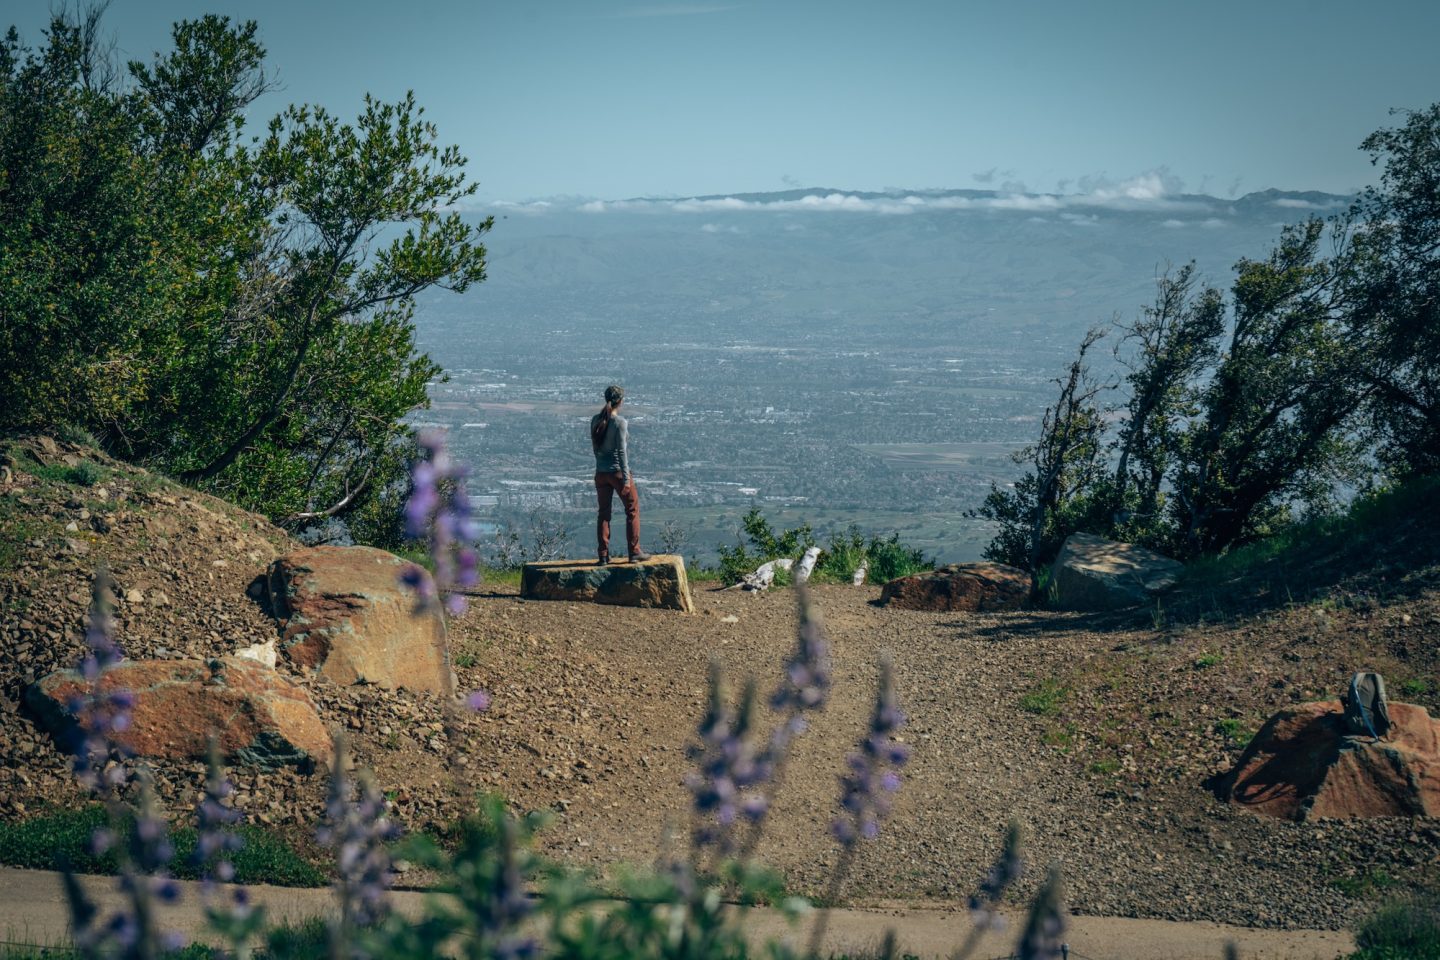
(46, 842)
(886, 558)
(235, 312)
(1404, 929)
(1394, 284)
(1045, 699)
(1245, 414)
(1063, 488)
(1207, 660)
(1389, 524)
(1235, 731)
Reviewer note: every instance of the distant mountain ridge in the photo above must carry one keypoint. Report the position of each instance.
(1271, 196)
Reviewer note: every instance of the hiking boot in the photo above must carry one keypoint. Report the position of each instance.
(602, 561)
(639, 557)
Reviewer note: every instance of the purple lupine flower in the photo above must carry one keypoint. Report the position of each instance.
(1006, 871)
(505, 904)
(101, 715)
(873, 776)
(729, 768)
(358, 828)
(217, 839)
(806, 683)
(438, 511)
(1045, 928)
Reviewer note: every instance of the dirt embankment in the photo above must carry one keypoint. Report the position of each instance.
(1096, 734)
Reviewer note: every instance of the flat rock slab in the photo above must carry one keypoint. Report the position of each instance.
(1092, 573)
(1303, 765)
(258, 717)
(967, 587)
(345, 615)
(657, 582)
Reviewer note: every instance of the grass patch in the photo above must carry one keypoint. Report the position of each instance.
(1364, 884)
(43, 842)
(496, 577)
(1234, 731)
(1105, 767)
(1392, 528)
(83, 474)
(1207, 660)
(1045, 699)
(1414, 687)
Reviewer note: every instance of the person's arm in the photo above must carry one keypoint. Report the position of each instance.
(623, 451)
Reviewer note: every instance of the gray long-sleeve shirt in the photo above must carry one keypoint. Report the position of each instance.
(611, 457)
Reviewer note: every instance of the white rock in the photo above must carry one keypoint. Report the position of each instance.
(807, 564)
(260, 653)
(858, 579)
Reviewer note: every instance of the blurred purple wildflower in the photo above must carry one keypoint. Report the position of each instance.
(806, 683)
(873, 776)
(728, 768)
(235, 918)
(478, 701)
(1045, 928)
(217, 839)
(1006, 870)
(131, 933)
(438, 511)
(505, 904)
(101, 715)
(358, 828)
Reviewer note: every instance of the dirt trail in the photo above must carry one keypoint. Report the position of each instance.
(32, 910)
(594, 707)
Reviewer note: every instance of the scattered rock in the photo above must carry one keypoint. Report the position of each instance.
(969, 587)
(258, 716)
(658, 582)
(1302, 766)
(345, 615)
(1092, 573)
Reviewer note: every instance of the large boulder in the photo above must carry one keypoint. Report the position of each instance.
(657, 582)
(345, 614)
(1302, 765)
(1092, 573)
(970, 587)
(257, 716)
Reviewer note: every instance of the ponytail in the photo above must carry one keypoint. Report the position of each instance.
(599, 426)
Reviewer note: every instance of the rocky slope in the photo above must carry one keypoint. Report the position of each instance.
(1097, 733)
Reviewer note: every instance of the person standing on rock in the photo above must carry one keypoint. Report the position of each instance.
(609, 436)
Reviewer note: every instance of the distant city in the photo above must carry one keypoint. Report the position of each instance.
(830, 368)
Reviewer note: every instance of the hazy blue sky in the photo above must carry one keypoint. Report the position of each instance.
(616, 99)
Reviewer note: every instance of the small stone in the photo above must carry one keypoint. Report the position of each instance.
(134, 595)
(72, 527)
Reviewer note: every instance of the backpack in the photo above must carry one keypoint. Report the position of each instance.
(1366, 711)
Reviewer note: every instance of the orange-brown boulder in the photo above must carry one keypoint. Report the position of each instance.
(659, 582)
(969, 587)
(257, 716)
(1302, 765)
(345, 615)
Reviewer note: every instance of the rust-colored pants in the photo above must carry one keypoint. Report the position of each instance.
(606, 486)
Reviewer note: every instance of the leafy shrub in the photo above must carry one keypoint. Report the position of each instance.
(887, 558)
(1407, 929)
